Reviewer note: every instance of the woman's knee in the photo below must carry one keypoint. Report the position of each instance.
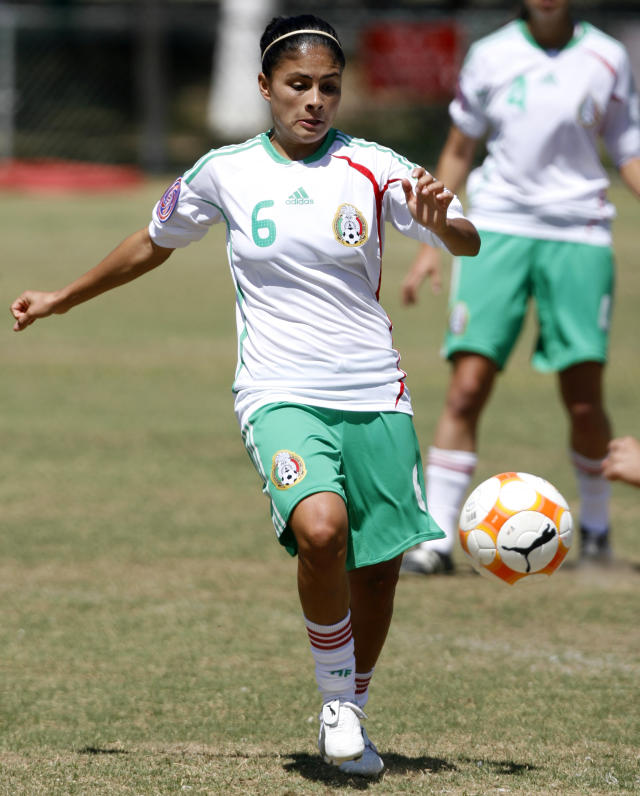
(586, 416)
(322, 541)
(320, 527)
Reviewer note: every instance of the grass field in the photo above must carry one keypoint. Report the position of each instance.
(150, 635)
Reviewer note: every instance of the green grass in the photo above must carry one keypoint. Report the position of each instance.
(151, 637)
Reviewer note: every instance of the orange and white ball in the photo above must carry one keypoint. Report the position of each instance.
(515, 525)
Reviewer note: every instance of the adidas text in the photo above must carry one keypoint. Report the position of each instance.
(299, 197)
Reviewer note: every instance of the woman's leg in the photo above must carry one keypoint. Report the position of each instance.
(372, 593)
(320, 525)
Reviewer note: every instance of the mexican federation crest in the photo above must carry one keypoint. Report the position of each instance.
(350, 226)
(287, 469)
(589, 114)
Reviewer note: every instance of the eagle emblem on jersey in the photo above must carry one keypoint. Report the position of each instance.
(350, 226)
(287, 469)
(589, 114)
(169, 200)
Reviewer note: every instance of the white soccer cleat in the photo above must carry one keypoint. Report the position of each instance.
(340, 737)
(369, 765)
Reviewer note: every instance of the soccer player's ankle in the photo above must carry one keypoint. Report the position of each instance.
(333, 653)
(362, 688)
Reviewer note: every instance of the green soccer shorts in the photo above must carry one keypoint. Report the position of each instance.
(371, 459)
(572, 285)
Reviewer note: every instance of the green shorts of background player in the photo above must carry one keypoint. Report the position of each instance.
(571, 285)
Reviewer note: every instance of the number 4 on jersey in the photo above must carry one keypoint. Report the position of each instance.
(518, 92)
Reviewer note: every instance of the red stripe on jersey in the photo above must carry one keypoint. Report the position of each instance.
(404, 375)
(602, 60)
(379, 196)
(378, 193)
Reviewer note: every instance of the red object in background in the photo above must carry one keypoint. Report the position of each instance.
(63, 176)
(416, 59)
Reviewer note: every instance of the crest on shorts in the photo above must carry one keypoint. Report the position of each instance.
(287, 469)
(458, 318)
(169, 200)
(350, 226)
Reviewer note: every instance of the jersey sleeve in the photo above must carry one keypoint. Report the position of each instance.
(183, 214)
(467, 109)
(396, 210)
(621, 123)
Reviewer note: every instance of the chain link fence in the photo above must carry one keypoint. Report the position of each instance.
(131, 82)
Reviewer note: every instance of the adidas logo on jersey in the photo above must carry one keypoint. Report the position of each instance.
(299, 197)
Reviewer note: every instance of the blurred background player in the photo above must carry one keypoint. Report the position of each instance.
(320, 398)
(542, 90)
(623, 461)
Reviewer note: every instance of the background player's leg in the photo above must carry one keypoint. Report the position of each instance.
(582, 394)
(590, 431)
(472, 379)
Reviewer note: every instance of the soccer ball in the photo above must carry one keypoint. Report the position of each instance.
(515, 525)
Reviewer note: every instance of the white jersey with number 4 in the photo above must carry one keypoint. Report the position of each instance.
(304, 242)
(543, 112)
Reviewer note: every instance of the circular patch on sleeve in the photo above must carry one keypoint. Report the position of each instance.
(169, 200)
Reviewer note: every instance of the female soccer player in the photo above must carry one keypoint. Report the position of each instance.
(542, 90)
(319, 393)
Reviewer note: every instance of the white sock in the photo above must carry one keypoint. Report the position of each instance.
(594, 491)
(332, 650)
(362, 688)
(448, 476)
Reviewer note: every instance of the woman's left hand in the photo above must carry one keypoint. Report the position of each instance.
(429, 201)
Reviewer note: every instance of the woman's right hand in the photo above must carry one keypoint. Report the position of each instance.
(30, 306)
(428, 263)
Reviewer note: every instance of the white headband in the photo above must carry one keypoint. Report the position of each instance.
(295, 33)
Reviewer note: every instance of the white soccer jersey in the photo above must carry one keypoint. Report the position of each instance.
(304, 242)
(542, 112)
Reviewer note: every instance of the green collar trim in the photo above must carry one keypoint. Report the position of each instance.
(579, 31)
(319, 153)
